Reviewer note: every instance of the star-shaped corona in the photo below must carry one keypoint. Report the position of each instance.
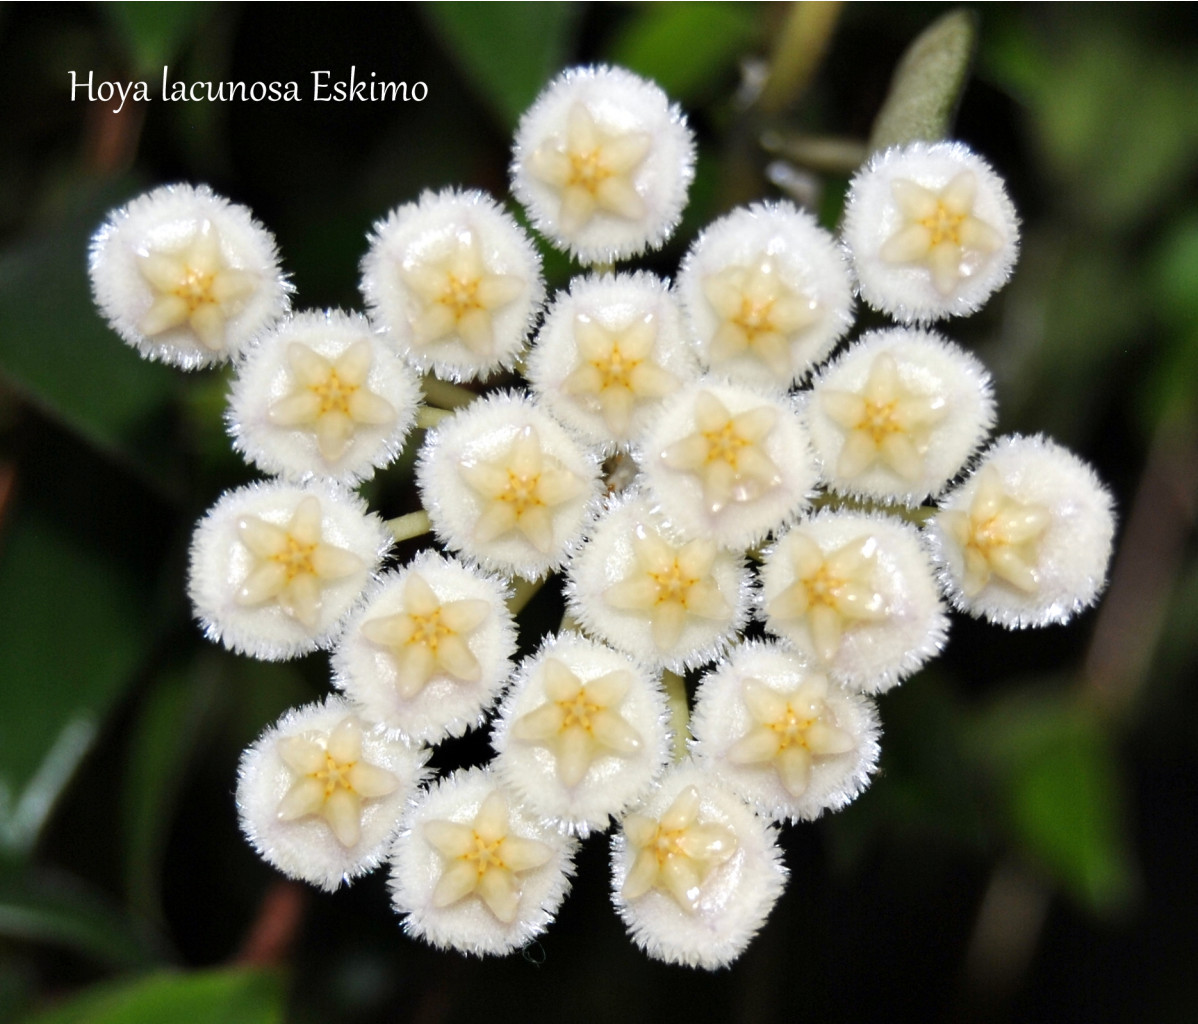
(429, 637)
(830, 592)
(458, 296)
(759, 315)
(291, 564)
(669, 584)
(484, 858)
(194, 286)
(579, 721)
(676, 852)
(616, 369)
(884, 422)
(790, 731)
(998, 536)
(725, 452)
(940, 231)
(330, 397)
(520, 489)
(593, 170)
(332, 779)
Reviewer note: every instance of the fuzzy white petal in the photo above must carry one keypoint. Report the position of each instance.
(724, 718)
(1066, 560)
(306, 847)
(921, 279)
(186, 277)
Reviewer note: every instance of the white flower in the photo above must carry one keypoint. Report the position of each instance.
(610, 350)
(856, 594)
(930, 230)
(767, 294)
(430, 650)
(582, 733)
(644, 589)
(898, 415)
(275, 568)
(1026, 540)
(504, 484)
(456, 281)
(187, 277)
(473, 871)
(728, 463)
(695, 872)
(320, 794)
(602, 162)
(322, 395)
(783, 735)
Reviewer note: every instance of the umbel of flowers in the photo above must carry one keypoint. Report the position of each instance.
(663, 455)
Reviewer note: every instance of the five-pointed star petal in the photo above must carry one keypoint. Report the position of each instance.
(194, 286)
(939, 229)
(790, 730)
(458, 295)
(885, 422)
(831, 591)
(676, 852)
(759, 315)
(998, 536)
(726, 452)
(330, 397)
(484, 858)
(520, 489)
(616, 369)
(670, 584)
(429, 637)
(291, 563)
(580, 721)
(593, 169)
(332, 780)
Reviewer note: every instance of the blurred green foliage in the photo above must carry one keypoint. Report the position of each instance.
(120, 726)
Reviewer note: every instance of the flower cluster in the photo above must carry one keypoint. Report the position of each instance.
(663, 458)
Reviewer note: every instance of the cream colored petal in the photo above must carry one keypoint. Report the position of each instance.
(859, 601)
(419, 598)
(208, 322)
(978, 236)
(162, 271)
(649, 380)
(559, 682)
(308, 367)
(264, 583)
(757, 746)
(944, 261)
(610, 729)
(456, 658)
(669, 617)
(680, 878)
(958, 195)
(575, 750)
(330, 563)
(725, 291)
(415, 664)
(300, 599)
(475, 329)
(370, 781)
(537, 527)
(910, 244)
(634, 595)
(333, 433)
(901, 455)
(621, 153)
(616, 195)
(165, 313)
(707, 843)
(827, 626)
(609, 690)
(616, 404)
(491, 822)
(1023, 523)
(497, 519)
(521, 854)
(343, 812)
(682, 811)
(1008, 564)
(766, 705)
(557, 486)
(540, 724)
(435, 322)
(794, 769)
(643, 874)
(857, 455)
(915, 201)
(345, 741)
(300, 754)
(826, 740)
(368, 408)
(449, 838)
(792, 603)
(728, 342)
(577, 208)
(305, 797)
(498, 290)
(458, 880)
(844, 408)
(711, 414)
(640, 830)
(705, 600)
(686, 455)
(305, 521)
(389, 631)
(500, 892)
(298, 409)
(265, 540)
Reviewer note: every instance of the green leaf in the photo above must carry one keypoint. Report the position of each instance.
(686, 48)
(57, 351)
(927, 85)
(47, 907)
(229, 996)
(508, 51)
(154, 34)
(1055, 769)
(72, 632)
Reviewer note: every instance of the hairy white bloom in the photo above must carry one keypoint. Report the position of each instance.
(931, 231)
(695, 872)
(767, 294)
(781, 734)
(857, 595)
(505, 485)
(611, 350)
(320, 794)
(602, 162)
(322, 395)
(728, 463)
(898, 415)
(582, 732)
(430, 650)
(644, 589)
(473, 871)
(456, 281)
(1026, 540)
(187, 277)
(275, 568)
